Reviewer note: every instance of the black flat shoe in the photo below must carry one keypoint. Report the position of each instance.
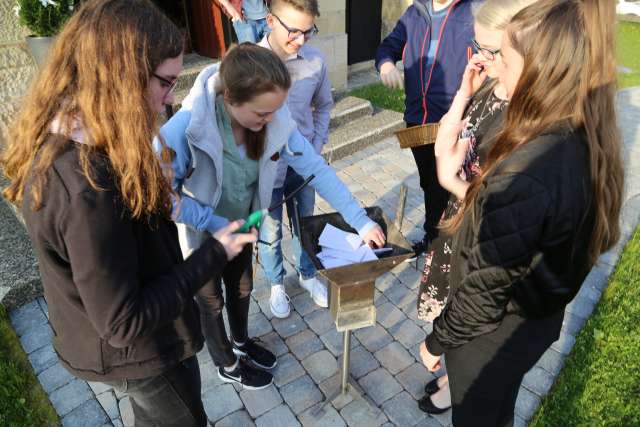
(431, 387)
(426, 405)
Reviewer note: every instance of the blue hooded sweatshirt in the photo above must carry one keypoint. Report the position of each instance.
(430, 88)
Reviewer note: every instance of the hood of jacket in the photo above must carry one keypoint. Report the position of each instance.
(202, 129)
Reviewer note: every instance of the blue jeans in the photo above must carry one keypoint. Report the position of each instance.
(271, 230)
(250, 30)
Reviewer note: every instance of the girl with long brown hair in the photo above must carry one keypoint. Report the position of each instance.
(477, 110)
(545, 206)
(97, 208)
(228, 137)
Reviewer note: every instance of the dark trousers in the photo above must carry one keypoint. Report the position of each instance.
(170, 399)
(485, 374)
(435, 197)
(238, 283)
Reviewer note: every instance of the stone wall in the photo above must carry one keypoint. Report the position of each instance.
(332, 40)
(16, 65)
(392, 10)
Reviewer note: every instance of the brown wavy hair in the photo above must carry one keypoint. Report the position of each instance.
(569, 76)
(247, 71)
(98, 74)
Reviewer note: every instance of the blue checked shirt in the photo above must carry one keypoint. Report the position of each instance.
(310, 100)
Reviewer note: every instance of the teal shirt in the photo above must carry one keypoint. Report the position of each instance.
(239, 172)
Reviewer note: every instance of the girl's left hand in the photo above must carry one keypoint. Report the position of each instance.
(431, 362)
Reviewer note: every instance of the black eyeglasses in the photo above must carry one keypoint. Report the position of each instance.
(489, 54)
(294, 33)
(170, 85)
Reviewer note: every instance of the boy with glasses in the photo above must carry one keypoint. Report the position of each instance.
(292, 24)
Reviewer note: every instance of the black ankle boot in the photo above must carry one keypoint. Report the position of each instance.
(426, 405)
(431, 387)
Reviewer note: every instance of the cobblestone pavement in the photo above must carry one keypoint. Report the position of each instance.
(384, 358)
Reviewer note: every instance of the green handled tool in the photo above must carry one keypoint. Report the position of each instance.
(255, 218)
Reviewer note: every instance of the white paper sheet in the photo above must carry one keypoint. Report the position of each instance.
(331, 262)
(353, 256)
(341, 248)
(332, 237)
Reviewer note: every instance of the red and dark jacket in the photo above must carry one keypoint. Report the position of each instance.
(430, 89)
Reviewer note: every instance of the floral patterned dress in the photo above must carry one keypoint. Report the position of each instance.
(434, 283)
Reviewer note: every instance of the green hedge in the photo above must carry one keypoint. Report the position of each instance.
(45, 18)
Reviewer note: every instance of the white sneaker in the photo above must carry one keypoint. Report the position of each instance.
(316, 289)
(279, 302)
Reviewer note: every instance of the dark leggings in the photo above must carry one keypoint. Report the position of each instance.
(435, 197)
(485, 374)
(238, 283)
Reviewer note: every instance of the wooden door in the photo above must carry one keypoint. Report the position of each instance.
(176, 10)
(208, 27)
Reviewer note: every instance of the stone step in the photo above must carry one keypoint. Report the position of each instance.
(193, 64)
(345, 110)
(348, 109)
(178, 96)
(361, 133)
(353, 126)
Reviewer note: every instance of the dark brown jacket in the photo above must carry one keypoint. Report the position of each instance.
(120, 295)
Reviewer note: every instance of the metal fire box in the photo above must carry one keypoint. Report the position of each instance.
(351, 287)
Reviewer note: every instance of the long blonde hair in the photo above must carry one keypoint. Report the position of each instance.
(496, 14)
(98, 74)
(569, 76)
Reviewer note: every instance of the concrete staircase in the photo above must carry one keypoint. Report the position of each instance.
(355, 123)
(361, 131)
(193, 64)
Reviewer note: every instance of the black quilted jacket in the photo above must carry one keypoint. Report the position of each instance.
(523, 249)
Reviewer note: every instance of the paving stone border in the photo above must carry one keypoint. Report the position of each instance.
(385, 359)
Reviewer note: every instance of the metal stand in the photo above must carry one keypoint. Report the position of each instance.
(345, 388)
(352, 294)
(346, 356)
(347, 391)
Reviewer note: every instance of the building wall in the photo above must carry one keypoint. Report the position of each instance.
(332, 40)
(392, 10)
(16, 65)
